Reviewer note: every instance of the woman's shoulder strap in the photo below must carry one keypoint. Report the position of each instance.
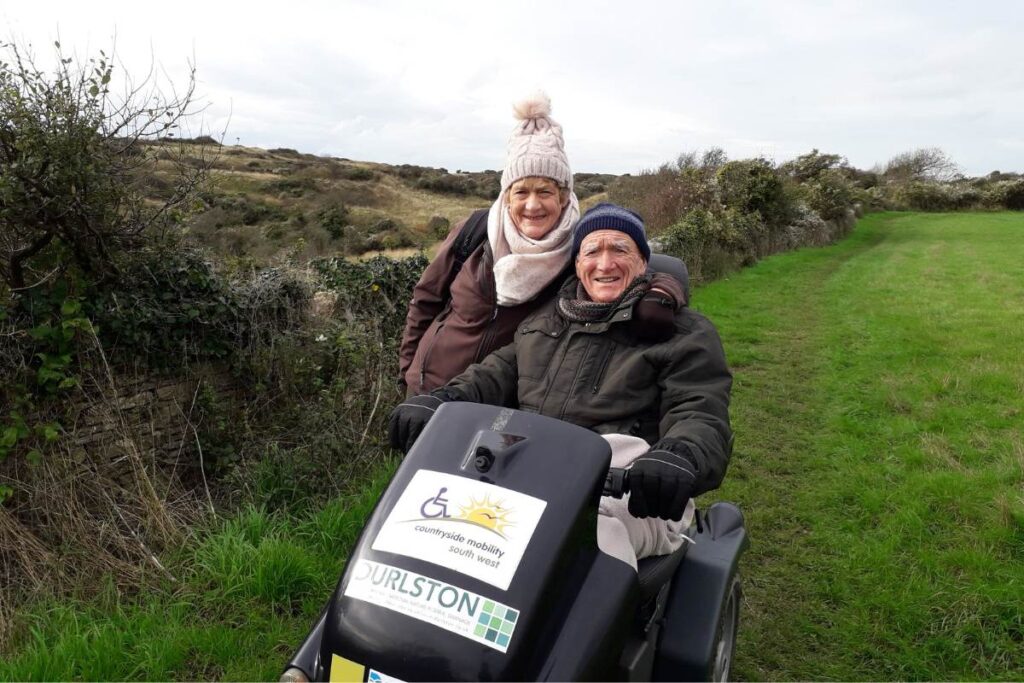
(471, 236)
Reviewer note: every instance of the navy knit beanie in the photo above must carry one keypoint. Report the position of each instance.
(607, 216)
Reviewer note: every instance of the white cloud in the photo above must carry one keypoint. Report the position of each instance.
(633, 83)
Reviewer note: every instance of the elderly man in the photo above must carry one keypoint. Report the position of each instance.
(661, 401)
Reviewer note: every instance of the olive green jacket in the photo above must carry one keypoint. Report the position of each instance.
(600, 376)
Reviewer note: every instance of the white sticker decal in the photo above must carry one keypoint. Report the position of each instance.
(434, 602)
(475, 528)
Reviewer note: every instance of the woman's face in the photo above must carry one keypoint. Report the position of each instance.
(608, 261)
(535, 205)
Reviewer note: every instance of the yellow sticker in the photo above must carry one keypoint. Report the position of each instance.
(345, 670)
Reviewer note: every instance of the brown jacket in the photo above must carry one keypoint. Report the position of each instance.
(454, 322)
(601, 376)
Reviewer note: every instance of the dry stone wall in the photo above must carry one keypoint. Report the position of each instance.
(154, 417)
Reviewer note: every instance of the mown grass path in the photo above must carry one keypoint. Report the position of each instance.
(879, 410)
(880, 459)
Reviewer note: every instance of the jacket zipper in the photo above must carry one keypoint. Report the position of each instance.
(557, 367)
(426, 354)
(485, 341)
(601, 369)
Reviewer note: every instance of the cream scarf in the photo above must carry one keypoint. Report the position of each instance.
(524, 267)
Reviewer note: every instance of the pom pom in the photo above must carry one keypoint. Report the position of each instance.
(533, 107)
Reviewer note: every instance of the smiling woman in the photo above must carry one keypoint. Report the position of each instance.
(535, 204)
(466, 306)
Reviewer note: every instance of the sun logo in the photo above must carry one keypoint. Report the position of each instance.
(486, 513)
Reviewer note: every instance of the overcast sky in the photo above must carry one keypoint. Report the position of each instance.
(633, 83)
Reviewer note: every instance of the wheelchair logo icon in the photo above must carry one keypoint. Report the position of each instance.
(435, 506)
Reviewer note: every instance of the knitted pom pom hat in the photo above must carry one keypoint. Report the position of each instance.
(536, 147)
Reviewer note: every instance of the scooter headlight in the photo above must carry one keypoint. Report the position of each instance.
(293, 675)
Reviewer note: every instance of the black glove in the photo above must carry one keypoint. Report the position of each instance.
(661, 481)
(409, 418)
(654, 317)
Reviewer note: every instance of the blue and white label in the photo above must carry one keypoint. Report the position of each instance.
(435, 602)
(378, 677)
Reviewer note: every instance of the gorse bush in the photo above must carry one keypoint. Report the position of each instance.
(589, 184)
(1007, 194)
(812, 165)
(333, 219)
(357, 173)
(753, 186)
(486, 185)
(293, 187)
(829, 193)
(438, 227)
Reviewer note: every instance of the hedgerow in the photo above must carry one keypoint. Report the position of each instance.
(719, 215)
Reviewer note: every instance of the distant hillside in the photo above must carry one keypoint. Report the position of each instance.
(261, 204)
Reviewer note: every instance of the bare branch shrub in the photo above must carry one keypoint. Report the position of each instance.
(928, 163)
(74, 165)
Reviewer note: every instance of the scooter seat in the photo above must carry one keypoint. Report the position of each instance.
(655, 571)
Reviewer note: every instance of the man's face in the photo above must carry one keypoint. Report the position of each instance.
(535, 206)
(608, 261)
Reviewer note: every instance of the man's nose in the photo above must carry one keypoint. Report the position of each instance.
(604, 260)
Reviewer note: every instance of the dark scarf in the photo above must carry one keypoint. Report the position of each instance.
(582, 310)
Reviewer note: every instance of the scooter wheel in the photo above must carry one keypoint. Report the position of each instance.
(725, 633)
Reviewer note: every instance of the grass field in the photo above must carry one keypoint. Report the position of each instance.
(878, 407)
(880, 463)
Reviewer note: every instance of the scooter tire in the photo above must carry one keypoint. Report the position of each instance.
(725, 633)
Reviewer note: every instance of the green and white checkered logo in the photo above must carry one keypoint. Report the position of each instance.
(496, 623)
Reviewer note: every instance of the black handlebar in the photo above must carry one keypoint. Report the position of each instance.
(616, 484)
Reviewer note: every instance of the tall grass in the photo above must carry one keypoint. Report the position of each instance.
(247, 592)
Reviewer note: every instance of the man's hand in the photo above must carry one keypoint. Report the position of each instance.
(409, 418)
(661, 481)
(654, 317)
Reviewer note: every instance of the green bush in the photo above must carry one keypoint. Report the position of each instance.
(241, 209)
(448, 183)
(333, 219)
(486, 185)
(71, 160)
(753, 186)
(1008, 194)
(362, 287)
(357, 173)
(438, 226)
(292, 187)
(925, 196)
(811, 165)
(829, 193)
(169, 307)
(589, 184)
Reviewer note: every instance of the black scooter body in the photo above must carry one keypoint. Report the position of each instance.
(575, 608)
